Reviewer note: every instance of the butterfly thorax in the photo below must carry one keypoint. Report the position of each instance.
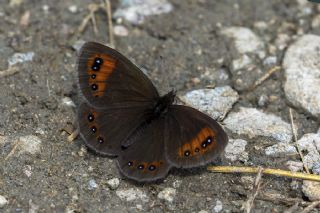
(163, 103)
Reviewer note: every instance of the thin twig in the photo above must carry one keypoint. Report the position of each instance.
(256, 188)
(13, 150)
(312, 206)
(110, 26)
(10, 71)
(277, 172)
(264, 77)
(294, 131)
(293, 208)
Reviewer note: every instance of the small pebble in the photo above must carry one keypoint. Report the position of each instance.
(113, 183)
(311, 189)
(3, 201)
(29, 144)
(167, 194)
(73, 8)
(20, 58)
(66, 101)
(218, 207)
(132, 194)
(120, 30)
(235, 150)
(92, 184)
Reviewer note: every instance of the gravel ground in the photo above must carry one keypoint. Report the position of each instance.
(212, 53)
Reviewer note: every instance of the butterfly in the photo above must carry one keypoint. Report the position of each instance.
(123, 115)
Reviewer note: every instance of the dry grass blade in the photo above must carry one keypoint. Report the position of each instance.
(311, 207)
(264, 77)
(110, 26)
(294, 131)
(248, 205)
(10, 71)
(276, 172)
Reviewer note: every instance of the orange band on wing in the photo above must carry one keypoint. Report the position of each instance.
(199, 145)
(97, 78)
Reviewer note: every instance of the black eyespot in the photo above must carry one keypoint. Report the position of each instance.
(93, 76)
(98, 61)
(100, 140)
(197, 149)
(94, 87)
(140, 167)
(95, 67)
(90, 117)
(187, 153)
(152, 167)
(94, 129)
(209, 140)
(130, 163)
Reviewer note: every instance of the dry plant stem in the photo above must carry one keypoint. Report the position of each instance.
(73, 135)
(294, 131)
(256, 188)
(264, 77)
(10, 71)
(110, 26)
(13, 150)
(277, 172)
(293, 208)
(312, 206)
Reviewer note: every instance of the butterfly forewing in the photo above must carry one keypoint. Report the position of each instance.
(107, 78)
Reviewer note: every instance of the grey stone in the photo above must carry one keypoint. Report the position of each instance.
(29, 144)
(235, 150)
(310, 143)
(215, 102)
(167, 194)
(253, 123)
(246, 41)
(281, 149)
(3, 201)
(311, 189)
(302, 71)
(113, 183)
(135, 11)
(132, 194)
(20, 58)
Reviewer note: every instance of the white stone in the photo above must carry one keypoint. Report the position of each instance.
(135, 11)
(92, 184)
(132, 194)
(20, 58)
(218, 207)
(167, 194)
(120, 30)
(281, 149)
(302, 71)
(73, 8)
(3, 201)
(311, 144)
(246, 41)
(113, 183)
(29, 144)
(254, 123)
(66, 101)
(311, 189)
(241, 62)
(215, 102)
(295, 166)
(236, 150)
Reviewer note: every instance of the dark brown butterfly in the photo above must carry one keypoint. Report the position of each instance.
(123, 115)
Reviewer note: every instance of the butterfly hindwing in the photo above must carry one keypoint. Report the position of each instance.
(192, 138)
(103, 130)
(107, 78)
(144, 160)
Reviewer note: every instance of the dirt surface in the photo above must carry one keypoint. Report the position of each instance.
(59, 177)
